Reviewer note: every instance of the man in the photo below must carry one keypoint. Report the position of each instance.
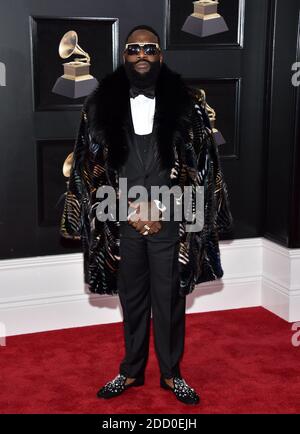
(144, 125)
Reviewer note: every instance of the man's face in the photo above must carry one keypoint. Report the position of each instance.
(142, 62)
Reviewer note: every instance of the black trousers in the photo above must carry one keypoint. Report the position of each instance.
(148, 276)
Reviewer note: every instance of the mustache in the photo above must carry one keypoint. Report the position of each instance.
(139, 61)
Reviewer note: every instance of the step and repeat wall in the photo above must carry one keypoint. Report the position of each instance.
(53, 53)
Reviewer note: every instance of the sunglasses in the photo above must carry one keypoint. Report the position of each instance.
(150, 48)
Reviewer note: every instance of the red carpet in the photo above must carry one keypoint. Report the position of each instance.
(239, 361)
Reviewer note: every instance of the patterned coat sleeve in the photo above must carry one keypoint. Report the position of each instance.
(72, 216)
(209, 166)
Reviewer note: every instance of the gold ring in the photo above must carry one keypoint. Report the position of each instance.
(147, 227)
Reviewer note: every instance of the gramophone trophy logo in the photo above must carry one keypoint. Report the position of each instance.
(67, 166)
(205, 20)
(218, 137)
(76, 81)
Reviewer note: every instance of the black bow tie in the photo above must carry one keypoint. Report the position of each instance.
(149, 92)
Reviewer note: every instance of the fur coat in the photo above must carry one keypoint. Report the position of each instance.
(185, 146)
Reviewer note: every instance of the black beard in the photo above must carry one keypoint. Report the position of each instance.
(143, 80)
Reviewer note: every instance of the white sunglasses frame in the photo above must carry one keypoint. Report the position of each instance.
(141, 44)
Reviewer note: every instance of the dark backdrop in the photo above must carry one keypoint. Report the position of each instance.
(248, 83)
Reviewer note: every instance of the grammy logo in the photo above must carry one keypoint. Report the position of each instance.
(205, 20)
(76, 81)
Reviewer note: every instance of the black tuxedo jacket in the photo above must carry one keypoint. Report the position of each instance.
(142, 168)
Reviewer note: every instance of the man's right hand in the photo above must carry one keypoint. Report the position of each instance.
(142, 226)
(139, 219)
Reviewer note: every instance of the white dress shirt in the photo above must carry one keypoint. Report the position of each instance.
(142, 110)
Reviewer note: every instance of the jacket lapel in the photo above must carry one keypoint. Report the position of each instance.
(152, 155)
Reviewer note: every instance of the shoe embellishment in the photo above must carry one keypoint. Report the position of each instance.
(116, 386)
(182, 390)
(113, 387)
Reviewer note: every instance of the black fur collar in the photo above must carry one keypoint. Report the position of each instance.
(108, 110)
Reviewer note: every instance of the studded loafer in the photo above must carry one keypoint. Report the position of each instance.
(182, 390)
(117, 386)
